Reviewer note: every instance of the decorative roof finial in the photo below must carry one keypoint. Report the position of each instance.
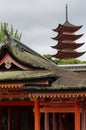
(66, 13)
(8, 39)
(6, 33)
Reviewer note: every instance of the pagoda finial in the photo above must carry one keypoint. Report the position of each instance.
(66, 13)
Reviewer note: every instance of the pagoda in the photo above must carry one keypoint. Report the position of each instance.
(66, 38)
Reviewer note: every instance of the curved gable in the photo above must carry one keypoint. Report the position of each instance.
(8, 62)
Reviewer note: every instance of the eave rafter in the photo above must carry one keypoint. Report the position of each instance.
(58, 97)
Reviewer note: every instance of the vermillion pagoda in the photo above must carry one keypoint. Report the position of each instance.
(66, 40)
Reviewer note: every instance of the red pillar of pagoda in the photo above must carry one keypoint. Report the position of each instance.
(37, 115)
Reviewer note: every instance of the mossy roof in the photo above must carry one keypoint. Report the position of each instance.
(67, 79)
(25, 75)
(26, 57)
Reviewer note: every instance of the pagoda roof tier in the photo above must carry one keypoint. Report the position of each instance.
(71, 45)
(67, 27)
(68, 55)
(63, 37)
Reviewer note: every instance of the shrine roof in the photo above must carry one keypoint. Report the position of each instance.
(68, 82)
(25, 75)
(25, 57)
(20, 52)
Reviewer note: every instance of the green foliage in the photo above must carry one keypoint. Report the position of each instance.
(10, 30)
(59, 61)
(48, 56)
(71, 61)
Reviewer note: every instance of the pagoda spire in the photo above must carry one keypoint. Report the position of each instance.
(66, 13)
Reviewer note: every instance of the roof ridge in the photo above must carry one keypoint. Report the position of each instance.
(21, 46)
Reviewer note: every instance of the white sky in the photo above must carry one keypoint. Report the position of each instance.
(35, 19)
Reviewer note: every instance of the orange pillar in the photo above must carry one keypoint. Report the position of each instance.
(54, 121)
(77, 116)
(46, 120)
(9, 118)
(37, 115)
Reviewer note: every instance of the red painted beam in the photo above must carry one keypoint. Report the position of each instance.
(57, 102)
(56, 109)
(16, 103)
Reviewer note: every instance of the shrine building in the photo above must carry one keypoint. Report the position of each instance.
(36, 94)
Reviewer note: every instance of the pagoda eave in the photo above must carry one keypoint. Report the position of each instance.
(62, 28)
(67, 55)
(61, 46)
(62, 37)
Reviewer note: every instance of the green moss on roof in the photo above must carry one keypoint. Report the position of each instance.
(28, 58)
(25, 75)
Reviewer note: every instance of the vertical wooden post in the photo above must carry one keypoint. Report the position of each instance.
(77, 116)
(9, 118)
(60, 122)
(46, 120)
(18, 112)
(66, 121)
(0, 118)
(54, 121)
(37, 115)
(83, 120)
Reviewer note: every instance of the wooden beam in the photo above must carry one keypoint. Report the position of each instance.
(57, 102)
(16, 103)
(56, 109)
